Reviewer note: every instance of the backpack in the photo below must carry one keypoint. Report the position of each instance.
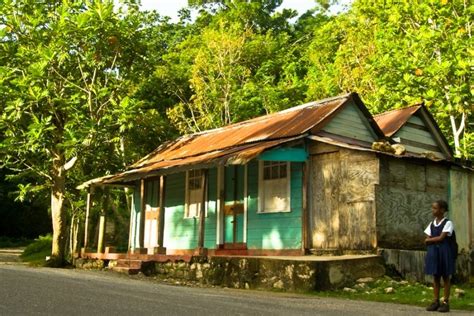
(451, 239)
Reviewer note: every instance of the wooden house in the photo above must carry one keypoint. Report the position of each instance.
(303, 180)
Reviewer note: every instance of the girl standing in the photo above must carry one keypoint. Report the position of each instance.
(440, 259)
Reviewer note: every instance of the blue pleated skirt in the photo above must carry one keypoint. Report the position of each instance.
(439, 259)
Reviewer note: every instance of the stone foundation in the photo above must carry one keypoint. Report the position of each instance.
(263, 273)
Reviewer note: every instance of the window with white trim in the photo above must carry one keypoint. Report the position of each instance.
(274, 186)
(193, 193)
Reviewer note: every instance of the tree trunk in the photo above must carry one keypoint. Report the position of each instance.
(457, 132)
(58, 213)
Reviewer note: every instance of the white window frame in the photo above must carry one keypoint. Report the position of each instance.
(261, 189)
(187, 197)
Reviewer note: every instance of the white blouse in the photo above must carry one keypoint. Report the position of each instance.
(448, 228)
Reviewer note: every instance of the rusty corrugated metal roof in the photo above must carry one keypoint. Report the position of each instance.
(291, 122)
(235, 143)
(390, 122)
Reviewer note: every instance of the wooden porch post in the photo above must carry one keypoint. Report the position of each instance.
(103, 211)
(305, 217)
(141, 248)
(90, 190)
(161, 219)
(202, 216)
(220, 207)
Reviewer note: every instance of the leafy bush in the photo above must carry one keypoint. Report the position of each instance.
(36, 252)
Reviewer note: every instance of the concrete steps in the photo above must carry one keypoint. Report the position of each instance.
(128, 266)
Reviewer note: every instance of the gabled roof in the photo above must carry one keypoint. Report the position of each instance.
(391, 122)
(239, 142)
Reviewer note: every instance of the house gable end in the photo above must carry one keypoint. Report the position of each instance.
(420, 134)
(351, 122)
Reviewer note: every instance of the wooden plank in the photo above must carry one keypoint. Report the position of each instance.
(350, 122)
(245, 203)
(161, 213)
(350, 132)
(220, 206)
(416, 126)
(103, 211)
(416, 136)
(418, 150)
(305, 217)
(325, 189)
(202, 211)
(422, 146)
(142, 214)
(409, 130)
(86, 224)
(416, 120)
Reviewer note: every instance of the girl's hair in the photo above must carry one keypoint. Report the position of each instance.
(443, 204)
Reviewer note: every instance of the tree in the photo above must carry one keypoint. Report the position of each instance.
(399, 54)
(238, 63)
(66, 92)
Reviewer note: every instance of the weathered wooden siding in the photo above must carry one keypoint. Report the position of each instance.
(403, 199)
(352, 123)
(416, 137)
(461, 197)
(152, 192)
(343, 198)
(180, 232)
(274, 230)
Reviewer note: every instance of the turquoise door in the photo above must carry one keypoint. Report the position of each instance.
(234, 207)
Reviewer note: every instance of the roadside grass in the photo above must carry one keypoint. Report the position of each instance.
(36, 252)
(403, 293)
(11, 242)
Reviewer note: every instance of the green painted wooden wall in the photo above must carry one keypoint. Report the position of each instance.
(351, 122)
(180, 232)
(274, 230)
(264, 231)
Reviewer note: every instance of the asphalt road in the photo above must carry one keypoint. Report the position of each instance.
(44, 291)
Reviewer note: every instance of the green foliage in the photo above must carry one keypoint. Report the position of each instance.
(100, 84)
(239, 64)
(69, 71)
(397, 55)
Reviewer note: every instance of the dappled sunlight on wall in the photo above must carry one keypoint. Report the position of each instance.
(272, 240)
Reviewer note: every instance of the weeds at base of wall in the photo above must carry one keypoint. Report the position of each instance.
(402, 292)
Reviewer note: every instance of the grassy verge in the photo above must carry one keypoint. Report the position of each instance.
(9, 242)
(36, 252)
(403, 293)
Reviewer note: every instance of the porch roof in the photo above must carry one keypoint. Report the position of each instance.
(236, 143)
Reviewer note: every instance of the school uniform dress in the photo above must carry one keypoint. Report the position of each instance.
(440, 259)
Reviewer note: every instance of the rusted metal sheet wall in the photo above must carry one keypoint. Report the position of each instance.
(460, 203)
(343, 198)
(403, 200)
